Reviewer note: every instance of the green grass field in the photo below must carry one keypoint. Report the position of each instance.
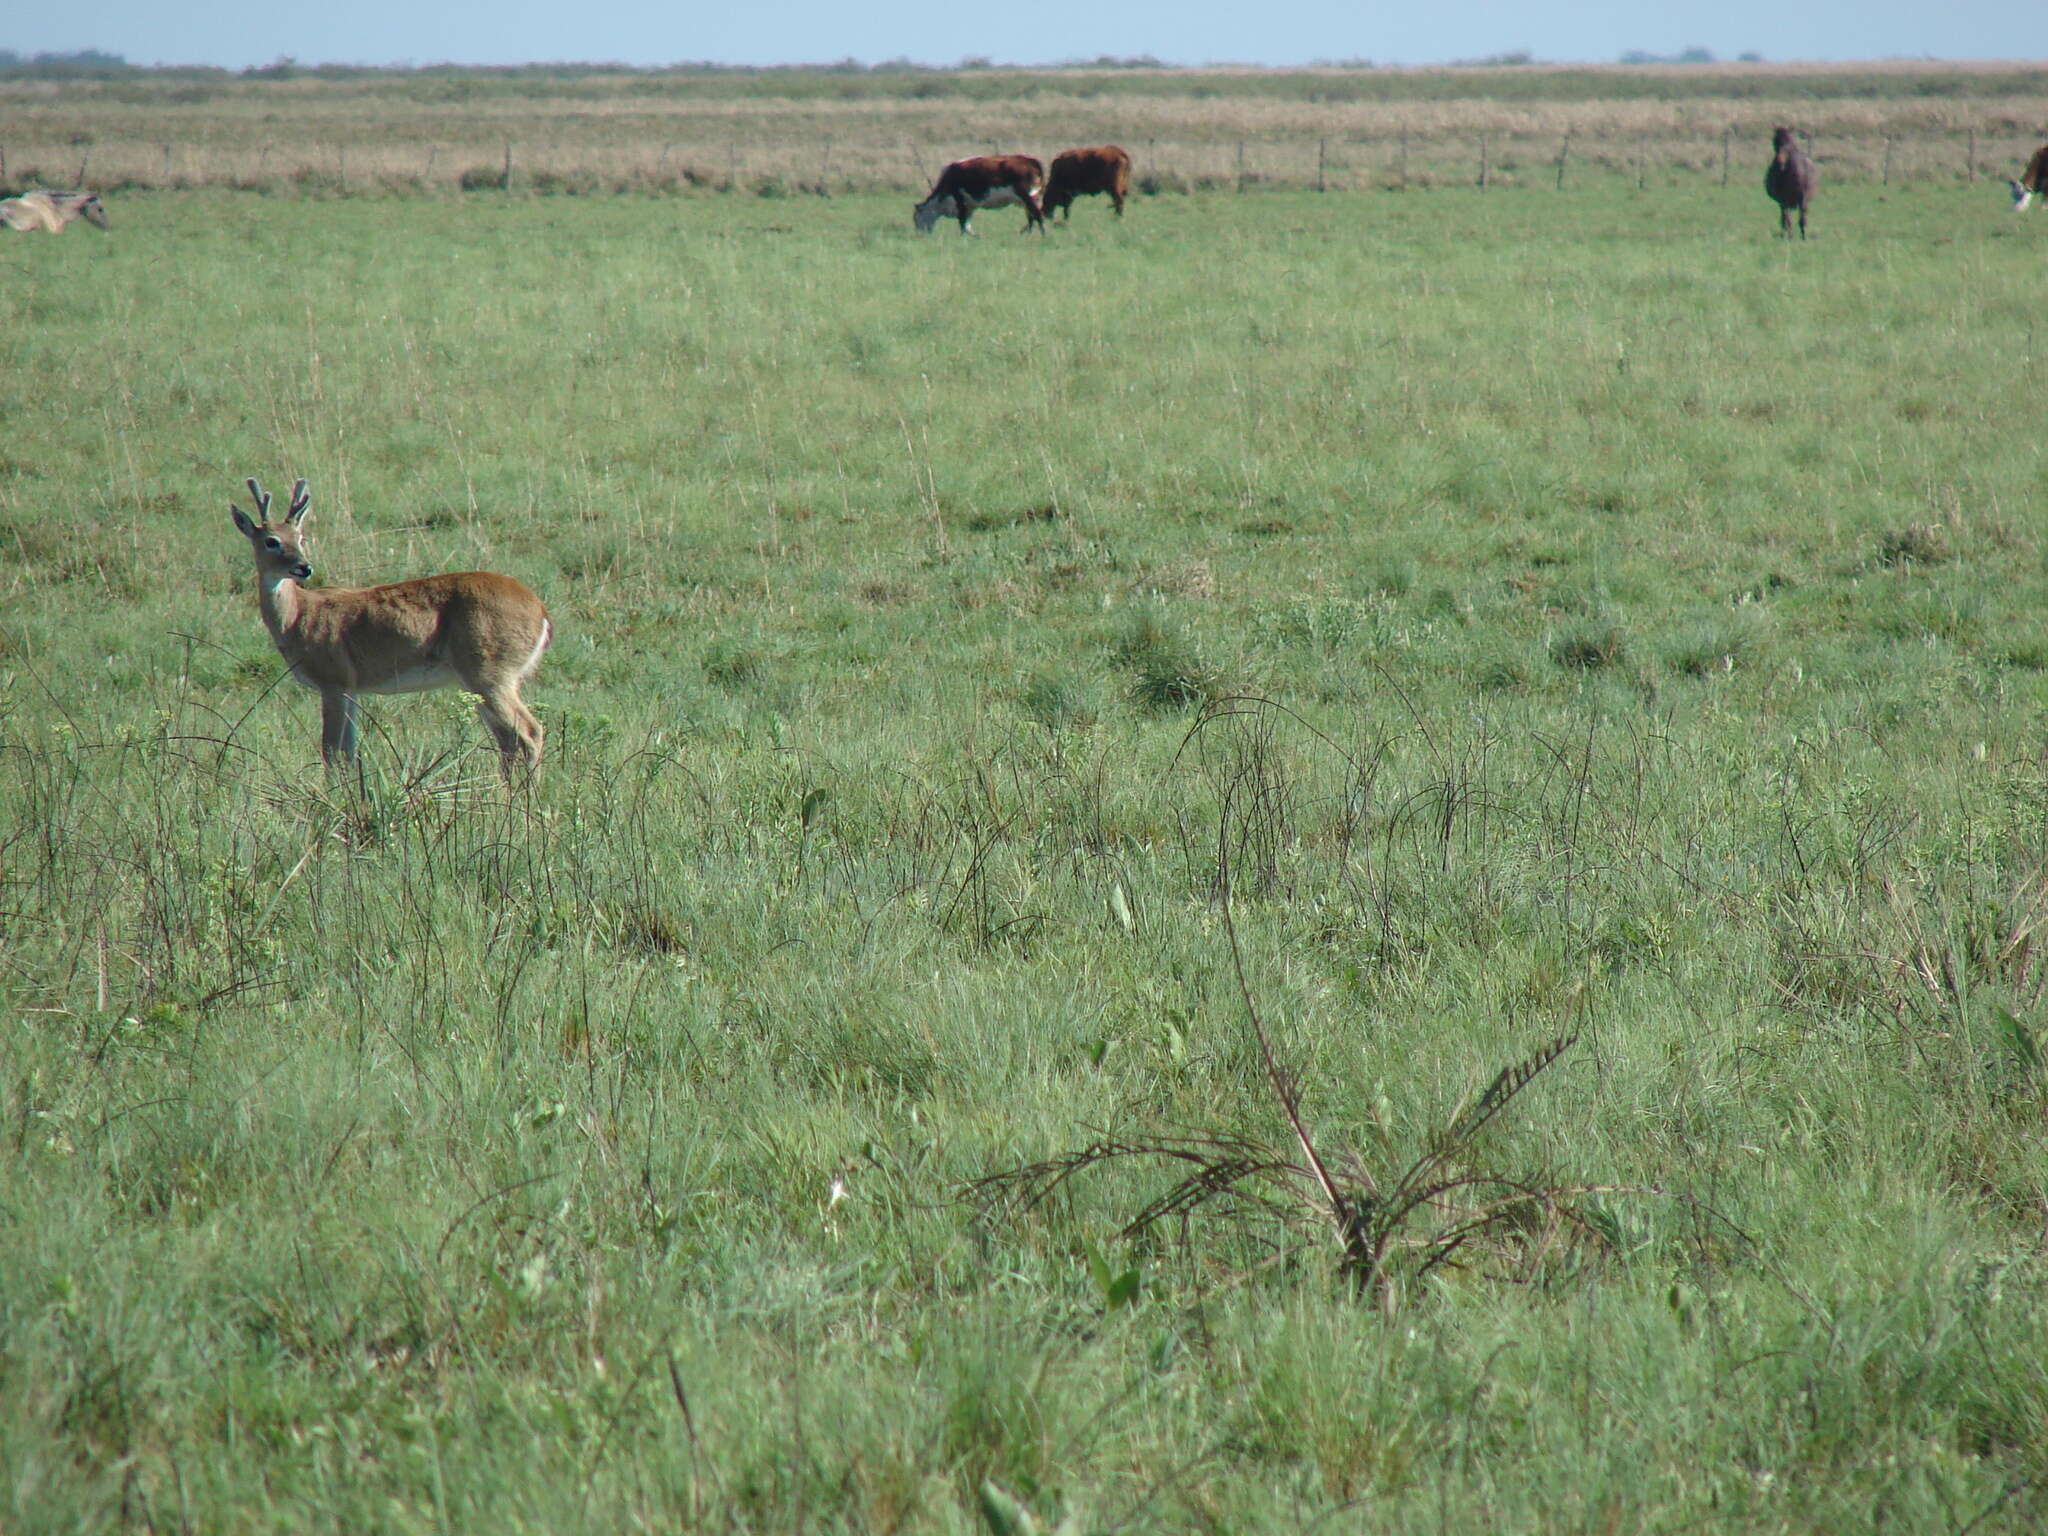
(1516, 616)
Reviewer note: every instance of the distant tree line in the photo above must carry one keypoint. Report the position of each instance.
(1693, 55)
(94, 64)
(85, 64)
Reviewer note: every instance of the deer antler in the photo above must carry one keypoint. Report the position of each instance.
(262, 499)
(301, 499)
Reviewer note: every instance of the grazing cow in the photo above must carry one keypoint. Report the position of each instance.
(52, 210)
(986, 181)
(1078, 172)
(1792, 180)
(2032, 180)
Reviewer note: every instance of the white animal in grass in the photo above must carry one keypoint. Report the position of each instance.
(52, 210)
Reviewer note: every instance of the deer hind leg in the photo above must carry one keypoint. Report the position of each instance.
(514, 728)
(337, 727)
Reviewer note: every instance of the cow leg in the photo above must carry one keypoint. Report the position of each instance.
(966, 217)
(1118, 199)
(1802, 221)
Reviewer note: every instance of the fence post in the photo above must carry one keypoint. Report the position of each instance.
(1726, 135)
(1973, 156)
(1322, 159)
(167, 165)
(825, 166)
(1642, 151)
(1564, 154)
(433, 154)
(732, 166)
(1404, 157)
(1240, 167)
(1482, 162)
(79, 180)
(505, 180)
(1887, 159)
(341, 165)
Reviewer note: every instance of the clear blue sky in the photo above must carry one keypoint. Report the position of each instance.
(239, 33)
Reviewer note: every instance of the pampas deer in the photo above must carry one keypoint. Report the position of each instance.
(472, 630)
(52, 210)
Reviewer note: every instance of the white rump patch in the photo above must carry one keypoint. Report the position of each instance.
(547, 633)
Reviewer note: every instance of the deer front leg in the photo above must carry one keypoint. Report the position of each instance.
(337, 726)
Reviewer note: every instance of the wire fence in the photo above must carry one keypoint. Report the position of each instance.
(871, 162)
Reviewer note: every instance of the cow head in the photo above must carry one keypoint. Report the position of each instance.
(928, 213)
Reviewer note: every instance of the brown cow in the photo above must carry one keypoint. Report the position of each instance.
(2032, 180)
(1791, 180)
(52, 210)
(986, 181)
(1078, 172)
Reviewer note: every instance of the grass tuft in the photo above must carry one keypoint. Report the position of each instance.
(1915, 544)
(1590, 649)
(1169, 675)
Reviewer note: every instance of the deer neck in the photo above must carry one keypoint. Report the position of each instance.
(284, 603)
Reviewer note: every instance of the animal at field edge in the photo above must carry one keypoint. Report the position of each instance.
(986, 181)
(1079, 172)
(2033, 181)
(52, 210)
(1792, 180)
(473, 630)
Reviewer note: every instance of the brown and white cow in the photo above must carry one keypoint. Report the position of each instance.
(1078, 172)
(52, 210)
(2033, 180)
(986, 181)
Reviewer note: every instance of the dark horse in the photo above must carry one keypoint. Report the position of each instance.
(1791, 181)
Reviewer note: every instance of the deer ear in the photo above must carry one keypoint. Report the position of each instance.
(242, 521)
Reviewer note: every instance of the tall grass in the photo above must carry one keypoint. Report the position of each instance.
(781, 133)
(1647, 615)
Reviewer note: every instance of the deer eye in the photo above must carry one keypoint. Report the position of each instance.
(272, 544)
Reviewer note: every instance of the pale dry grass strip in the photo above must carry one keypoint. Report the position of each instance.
(1188, 131)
